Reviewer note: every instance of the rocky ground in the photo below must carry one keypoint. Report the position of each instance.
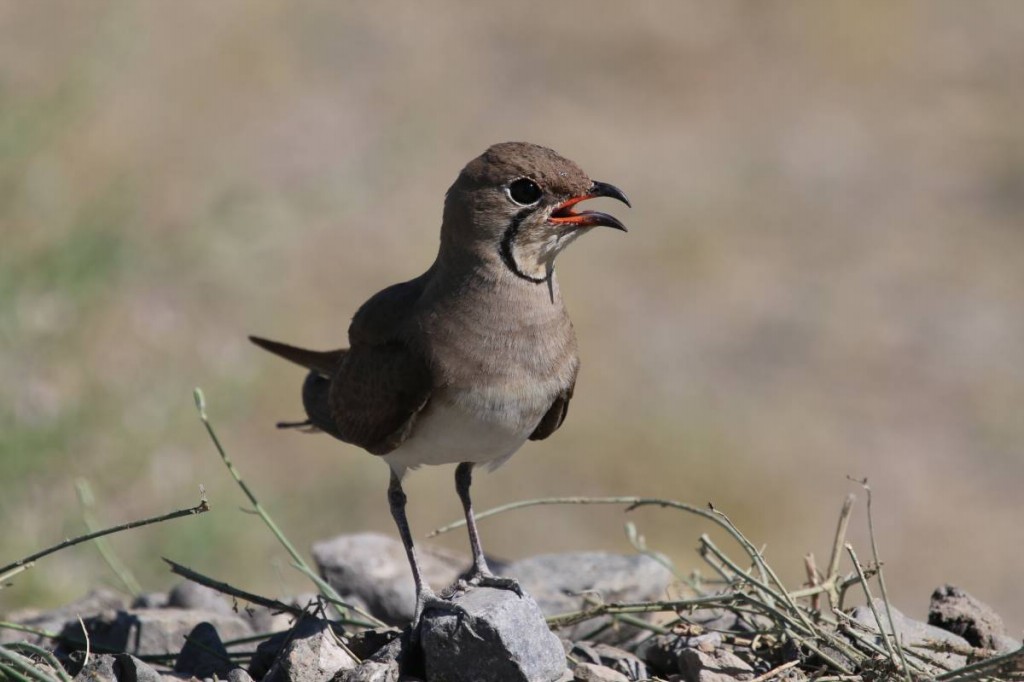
(562, 629)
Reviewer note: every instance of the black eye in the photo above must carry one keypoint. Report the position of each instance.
(524, 191)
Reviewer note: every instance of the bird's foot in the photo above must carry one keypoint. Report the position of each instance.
(481, 577)
(425, 600)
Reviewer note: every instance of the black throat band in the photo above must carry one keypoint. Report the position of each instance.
(505, 248)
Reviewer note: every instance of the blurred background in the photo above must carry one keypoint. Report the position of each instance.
(824, 275)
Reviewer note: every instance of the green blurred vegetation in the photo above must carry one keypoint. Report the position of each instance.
(823, 275)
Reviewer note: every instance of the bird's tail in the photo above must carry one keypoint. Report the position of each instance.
(323, 362)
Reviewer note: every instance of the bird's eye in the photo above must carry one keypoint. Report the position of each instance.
(524, 191)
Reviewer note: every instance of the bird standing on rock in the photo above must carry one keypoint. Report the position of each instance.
(465, 363)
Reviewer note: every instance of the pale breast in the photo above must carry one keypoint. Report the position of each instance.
(468, 426)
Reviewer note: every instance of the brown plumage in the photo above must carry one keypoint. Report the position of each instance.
(469, 360)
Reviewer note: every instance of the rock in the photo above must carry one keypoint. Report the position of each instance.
(131, 669)
(93, 603)
(498, 637)
(190, 595)
(144, 632)
(150, 600)
(592, 672)
(956, 611)
(718, 665)
(664, 653)
(912, 633)
(371, 569)
(100, 668)
(366, 643)
(312, 655)
(204, 654)
(239, 675)
(384, 665)
(266, 654)
(563, 582)
(608, 656)
(116, 668)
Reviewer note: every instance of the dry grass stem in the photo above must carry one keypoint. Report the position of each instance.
(21, 564)
(325, 589)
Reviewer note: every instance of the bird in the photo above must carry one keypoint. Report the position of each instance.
(467, 362)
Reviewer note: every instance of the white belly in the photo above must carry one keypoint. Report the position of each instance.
(448, 433)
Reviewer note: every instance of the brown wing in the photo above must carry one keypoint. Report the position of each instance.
(555, 415)
(376, 395)
(370, 394)
(383, 382)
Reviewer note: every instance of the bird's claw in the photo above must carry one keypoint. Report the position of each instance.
(427, 600)
(481, 578)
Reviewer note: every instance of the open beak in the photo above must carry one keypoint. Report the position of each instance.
(564, 214)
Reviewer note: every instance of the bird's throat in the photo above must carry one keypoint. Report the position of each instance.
(509, 249)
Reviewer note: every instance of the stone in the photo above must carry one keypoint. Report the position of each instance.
(664, 653)
(592, 672)
(313, 654)
(54, 620)
(956, 611)
(718, 665)
(496, 636)
(150, 600)
(912, 633)
(116, 668)
(266, 653)
(372, 570)
(384, 665)
(610, 657)
(366, 643)
(565, 582)
(239, 675)
(190, 595)
(100, 668)
(145, 632)
(204, 654)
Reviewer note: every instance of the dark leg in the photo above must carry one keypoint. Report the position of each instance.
(481, 574)
(397, 500)
(425, 597)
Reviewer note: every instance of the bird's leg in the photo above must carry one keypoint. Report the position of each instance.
(481, 574)
(425, 597)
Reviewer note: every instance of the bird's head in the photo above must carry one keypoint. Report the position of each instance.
(518, 202)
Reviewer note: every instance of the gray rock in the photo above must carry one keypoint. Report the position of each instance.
(956, 611)
(563, 582)
(914, 634)
(131, 669)
(116, 668)
(266, 654)
(664, 653)
(592, 672)
(611, 657)
(204, 654)
(365, 643)
(144, 632)
(499, 637)
(239, 675)
(100, 668)
(190, 595)
(150, 600)
(384, 665)
(312, 655)
(372, 570)
(54, 620)
(718, 665)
